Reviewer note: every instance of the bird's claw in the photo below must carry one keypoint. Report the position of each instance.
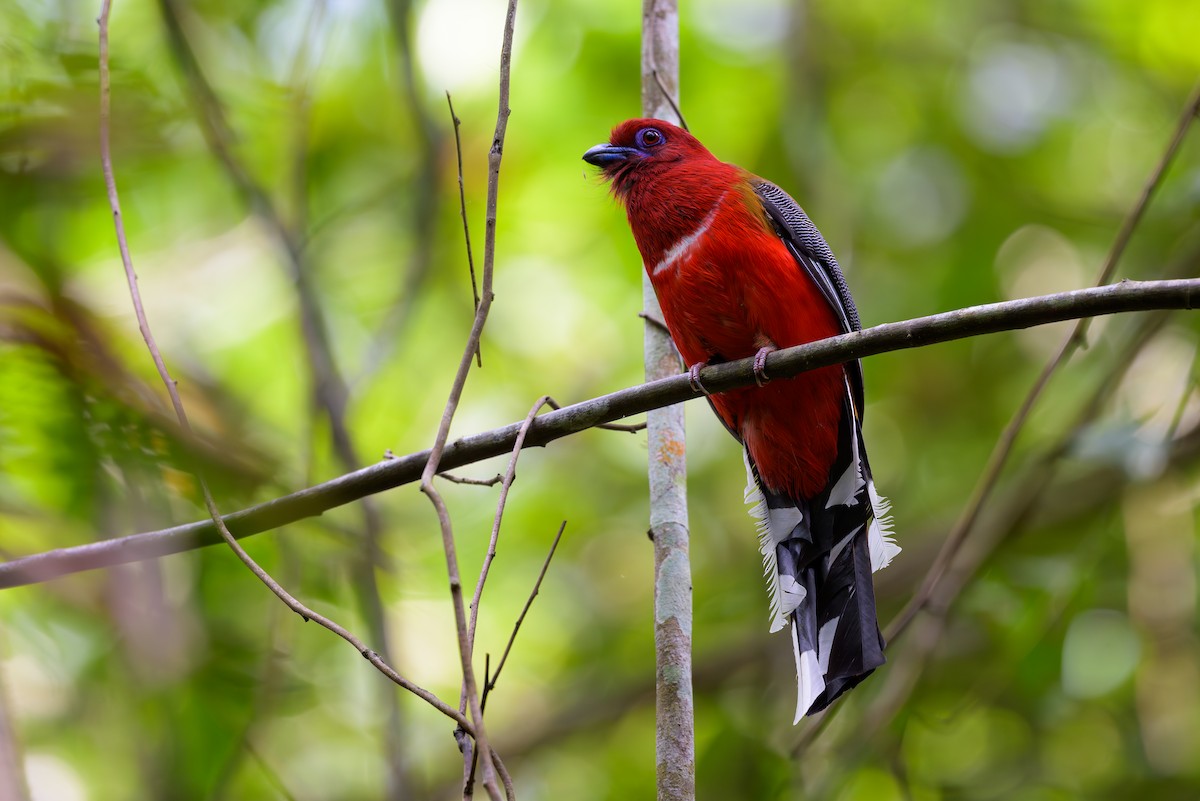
(694, 379)
(760, 365)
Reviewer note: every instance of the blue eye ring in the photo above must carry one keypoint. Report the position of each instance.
(650, 137)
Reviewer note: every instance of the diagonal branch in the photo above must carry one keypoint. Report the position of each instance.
(1126, 296)
(510, 475)
(490, 681)
(462, 208)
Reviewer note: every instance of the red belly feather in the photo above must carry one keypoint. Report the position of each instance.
(721, 299)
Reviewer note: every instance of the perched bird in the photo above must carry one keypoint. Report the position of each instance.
(740, 270)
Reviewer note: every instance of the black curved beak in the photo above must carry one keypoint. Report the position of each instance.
(606, 155)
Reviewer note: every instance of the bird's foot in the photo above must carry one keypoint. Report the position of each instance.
(694, 378)
(760, 364)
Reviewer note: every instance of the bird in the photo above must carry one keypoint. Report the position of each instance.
(740, 270)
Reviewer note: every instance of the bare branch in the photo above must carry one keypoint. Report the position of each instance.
(1126, 296)
(510, 476)
(1188, 116)
(476, 482)
(658, 81)
(266, 686)
(303, 68)
(1073, 499)
(462, 208)
(958, 573)
(328, 388)
(490, 683)
(654, 317)
(272, 776)
(628, 428)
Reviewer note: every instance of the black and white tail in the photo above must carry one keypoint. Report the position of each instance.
(818, 557)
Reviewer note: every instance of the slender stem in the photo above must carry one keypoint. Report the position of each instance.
(490, 678)
(537, 586)
(474, 482)
(462, 209)
(510, 475)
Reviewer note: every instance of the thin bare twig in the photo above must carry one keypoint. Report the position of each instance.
(670, 99)
(628, 428)
(537, 586)
(1076, 339)
(489, 678)
(1186, 118)
(476, 482)
(470, 688)
(324, 372)
(181, 414)
(272, 776)
(1074, 498)
(462, 207)
(265, 688)
(1037, 479)
(933, 593)
(303, 68)
(656, 319)
(370, 553)
(510, 475)
(1126, 296)
(327, 386)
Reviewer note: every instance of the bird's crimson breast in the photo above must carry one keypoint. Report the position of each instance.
(734, 289)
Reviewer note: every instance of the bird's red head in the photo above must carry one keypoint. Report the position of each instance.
(643, 147)
(667, 181)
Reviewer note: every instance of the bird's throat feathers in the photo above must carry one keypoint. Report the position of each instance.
(669, 202)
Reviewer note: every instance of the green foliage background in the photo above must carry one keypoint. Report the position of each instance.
(952, 153)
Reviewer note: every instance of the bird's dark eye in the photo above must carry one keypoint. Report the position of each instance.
(650, 137)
